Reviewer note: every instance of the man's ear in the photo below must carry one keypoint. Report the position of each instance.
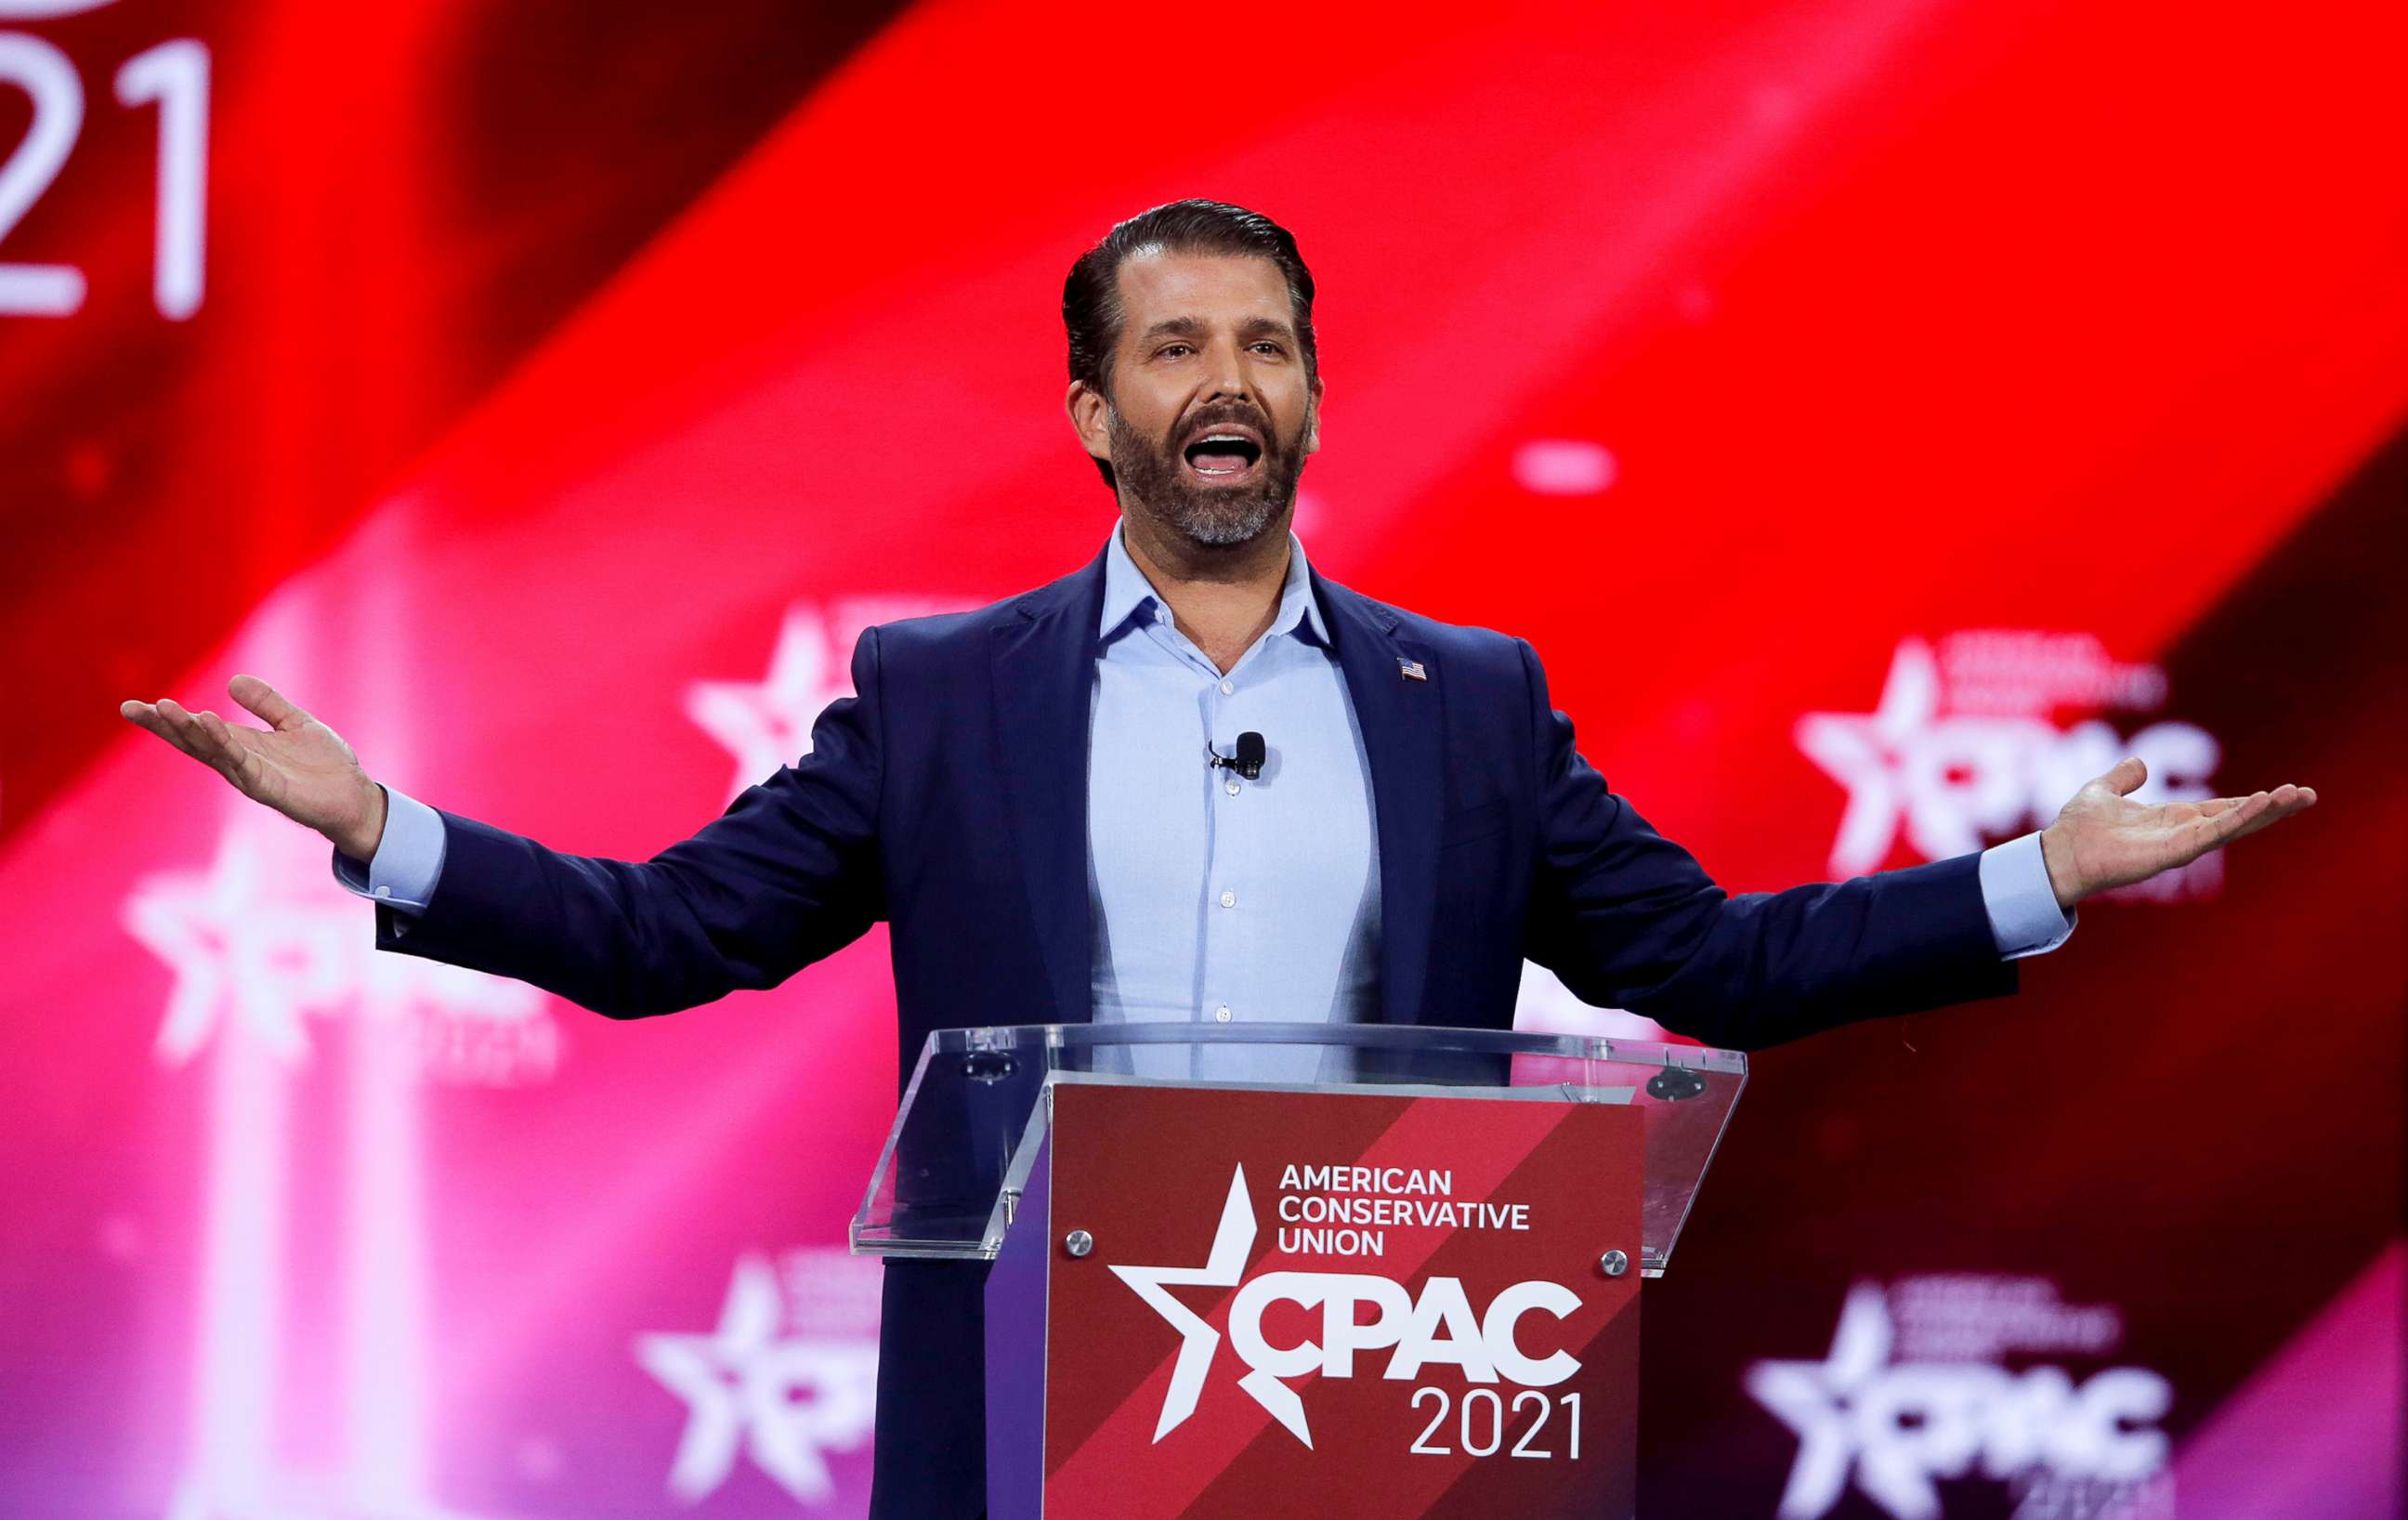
(1091, 416)
(1313, 418)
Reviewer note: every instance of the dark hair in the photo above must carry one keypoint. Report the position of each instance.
(1091, 298)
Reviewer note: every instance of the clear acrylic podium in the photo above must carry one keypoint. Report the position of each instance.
(1303, 1268)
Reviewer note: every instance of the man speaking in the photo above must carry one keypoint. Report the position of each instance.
(1192, 781)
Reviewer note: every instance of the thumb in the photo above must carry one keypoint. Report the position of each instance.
(2125, 776)
(265, 703)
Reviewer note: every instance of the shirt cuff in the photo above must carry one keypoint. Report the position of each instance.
(409, 859)
(2025, 919)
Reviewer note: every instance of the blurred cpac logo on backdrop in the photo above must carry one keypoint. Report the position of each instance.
(1963, 749)
(766, 723)
(789, 1376)
(259, 944)
(1914, 1391)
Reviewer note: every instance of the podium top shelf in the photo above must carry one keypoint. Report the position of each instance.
(976, 1105)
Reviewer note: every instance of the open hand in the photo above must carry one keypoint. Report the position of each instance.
(298, 766)
(2102, 839)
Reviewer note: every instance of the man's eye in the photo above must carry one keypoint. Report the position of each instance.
(1272, 348)
(1171, 351)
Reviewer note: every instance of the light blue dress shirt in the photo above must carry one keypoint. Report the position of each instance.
(1215, 899)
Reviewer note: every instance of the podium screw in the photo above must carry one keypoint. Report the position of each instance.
(1078, 1243)
(1613, 1264)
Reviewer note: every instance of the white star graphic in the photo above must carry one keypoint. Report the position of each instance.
(1948, 781)
(767, 723)
(1811, 1398)
(786, 1400)
(1223, 1265)
(191, 921)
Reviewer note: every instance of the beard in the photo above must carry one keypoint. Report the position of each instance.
(1151, 472)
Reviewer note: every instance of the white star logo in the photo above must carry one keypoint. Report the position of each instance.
(767, 723)
(1197, 1340)
(786, 1400)
(1949, 780)
(1811, 1398)
(250, 946)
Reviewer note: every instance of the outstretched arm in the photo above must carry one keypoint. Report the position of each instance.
(1627, 918)
(787, 875)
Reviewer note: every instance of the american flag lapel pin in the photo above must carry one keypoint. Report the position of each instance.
(1411, 670)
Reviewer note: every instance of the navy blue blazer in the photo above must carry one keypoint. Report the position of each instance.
(1498, 841)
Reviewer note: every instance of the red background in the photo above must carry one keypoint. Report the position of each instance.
(554, 358)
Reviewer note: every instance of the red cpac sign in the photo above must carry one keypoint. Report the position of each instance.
(1392, 1304)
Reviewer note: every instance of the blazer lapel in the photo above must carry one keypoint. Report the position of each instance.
(1404, 734)
(1043, 662)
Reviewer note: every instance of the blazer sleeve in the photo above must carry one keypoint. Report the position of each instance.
(789, 874)
(1629, 919)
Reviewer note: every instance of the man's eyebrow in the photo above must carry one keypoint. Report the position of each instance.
(1173, 328)
(1248, 329)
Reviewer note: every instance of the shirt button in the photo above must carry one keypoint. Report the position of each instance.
(1231, 787)
(385, 892)
(1220, 1014)
(1228, 899)
(1227, 687)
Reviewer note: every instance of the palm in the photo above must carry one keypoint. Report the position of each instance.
(2103, 838)
(296, 773)
(298, 766)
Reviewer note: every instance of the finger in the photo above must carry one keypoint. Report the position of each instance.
(2125, 776)
(2280, 803)
(265, 703)
(234, 757)
(2277, 808)
(175, 715)
(165, 721)
(2196, 837)
(189, 732)
(2234, 821)
(214, 748)
(147, 716)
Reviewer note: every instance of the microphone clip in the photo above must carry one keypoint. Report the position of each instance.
(1247, 762)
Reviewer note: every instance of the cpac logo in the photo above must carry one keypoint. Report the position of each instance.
(1900, 1426)
(1437, 1329)
(1961, 750)
(256, 944)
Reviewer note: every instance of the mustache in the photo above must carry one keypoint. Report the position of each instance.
(1224, 414)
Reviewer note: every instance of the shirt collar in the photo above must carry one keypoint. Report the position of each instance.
(1127, 593)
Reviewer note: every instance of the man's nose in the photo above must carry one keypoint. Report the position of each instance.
(1226, 378)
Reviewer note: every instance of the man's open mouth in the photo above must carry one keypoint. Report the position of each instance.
(1222, 455)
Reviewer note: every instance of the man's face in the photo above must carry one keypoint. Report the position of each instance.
(1211, 414)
